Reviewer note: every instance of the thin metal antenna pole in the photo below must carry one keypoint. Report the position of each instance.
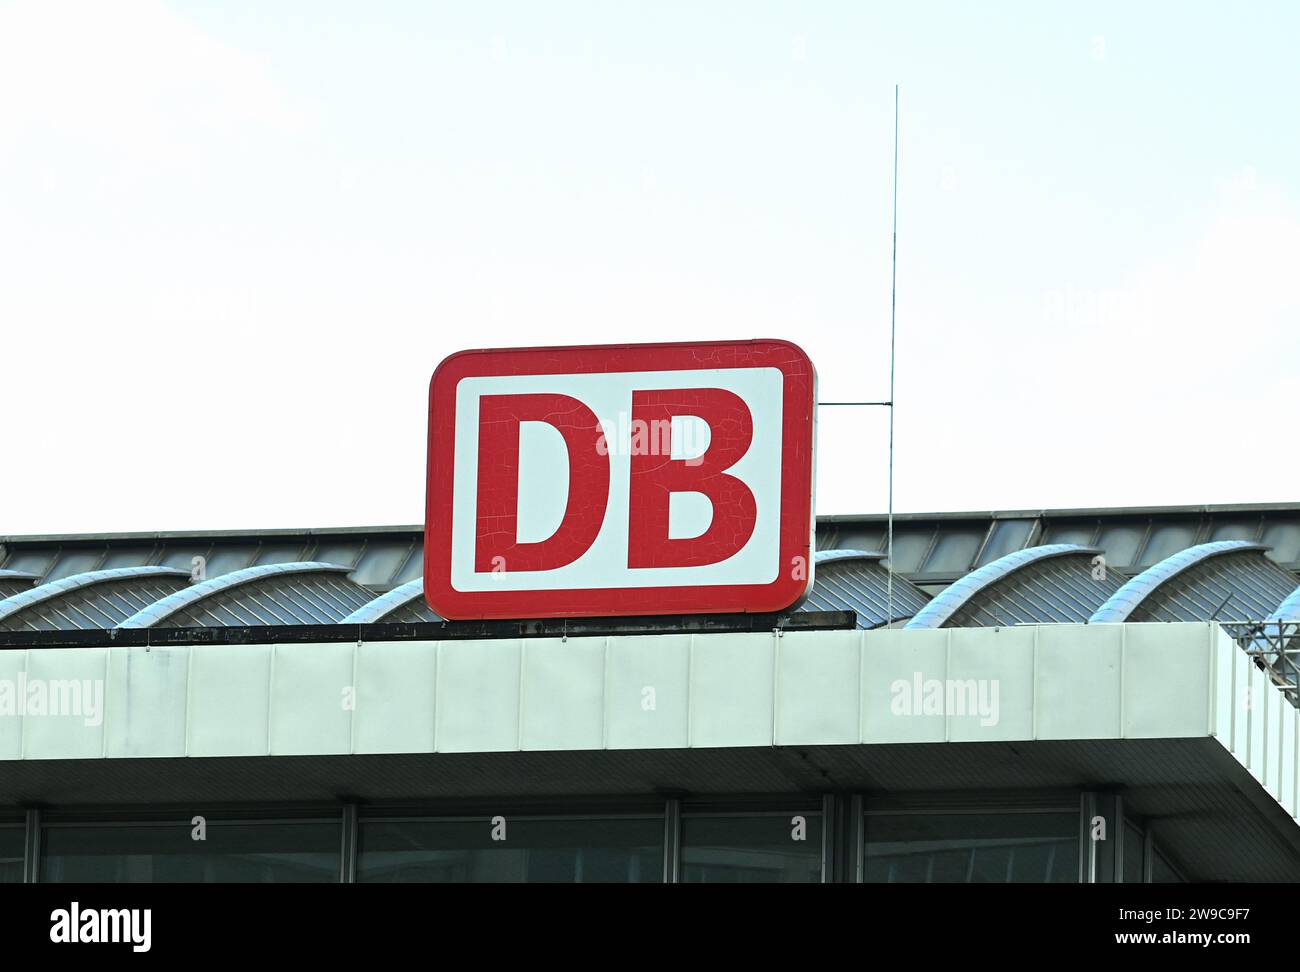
(893, 303)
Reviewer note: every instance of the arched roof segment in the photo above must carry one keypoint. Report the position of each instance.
(402, 604)
(1289, 609)
(1023, 587)
(858, 580)
(1223, 580)
(14, 582)
(268, 594)
(93, 599)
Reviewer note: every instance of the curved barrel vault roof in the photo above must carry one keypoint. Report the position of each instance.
(296, 593)
(404, 603)
(1023, 587)
(1289, 609)
(15, 581)
(858, 580)
(89, 600)
(988, 569)
(1224, 580)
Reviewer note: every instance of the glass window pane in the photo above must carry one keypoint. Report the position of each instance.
(226, 560)
(565, 850)
(245, 852)
(12, 840)
(281, 554)
(1132, 854)
(954, 552)
(1162, 872)
(998, 848)
(781, 848)
(126, 557)
(380, 562)
(74, 562)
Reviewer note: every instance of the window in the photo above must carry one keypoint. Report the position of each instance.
(13, 839)
(1162, 871)
(1133, 853)
(262, 852)
(512, 849)
(997, 848)
(781, 848)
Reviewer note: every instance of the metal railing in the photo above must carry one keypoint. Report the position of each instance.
(1275, 647)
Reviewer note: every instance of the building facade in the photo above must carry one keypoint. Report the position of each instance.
(1048, 696)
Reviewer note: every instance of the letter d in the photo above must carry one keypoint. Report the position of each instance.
(497, 527)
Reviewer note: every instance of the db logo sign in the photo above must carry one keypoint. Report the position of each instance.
(620, 480)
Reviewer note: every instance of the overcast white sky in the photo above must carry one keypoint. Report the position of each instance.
(236, 239)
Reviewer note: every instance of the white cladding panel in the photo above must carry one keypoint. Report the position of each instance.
(647, 691)
(562, 696)
(821, 665)
(395, 684)
(13, 666)
(151, 689)
(310, 685)
(229, 708)
(71, 684)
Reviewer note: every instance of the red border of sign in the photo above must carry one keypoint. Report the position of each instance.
(796, 528)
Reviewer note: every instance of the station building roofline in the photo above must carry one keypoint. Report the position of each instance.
(1109, 512)
(936, 555)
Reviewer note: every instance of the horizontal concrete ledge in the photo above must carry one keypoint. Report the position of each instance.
(673, 692)
(678, 691)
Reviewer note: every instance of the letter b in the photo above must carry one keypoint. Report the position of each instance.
(655, 477)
